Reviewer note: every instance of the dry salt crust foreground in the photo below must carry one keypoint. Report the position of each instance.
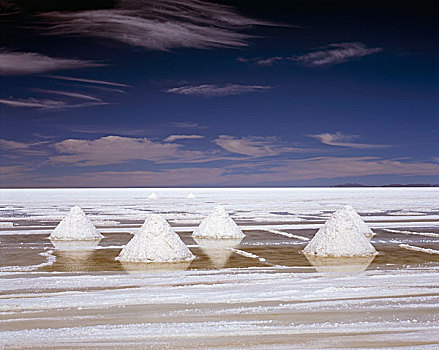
(265, 308)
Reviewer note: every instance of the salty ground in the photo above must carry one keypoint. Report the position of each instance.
(258, 293)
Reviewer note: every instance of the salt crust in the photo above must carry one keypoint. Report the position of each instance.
(340, 237)
(155, 241)
(218, 225)
(75, 226)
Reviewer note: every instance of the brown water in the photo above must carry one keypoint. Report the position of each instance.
(25, 250)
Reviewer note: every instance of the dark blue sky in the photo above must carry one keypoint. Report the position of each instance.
(237, 93)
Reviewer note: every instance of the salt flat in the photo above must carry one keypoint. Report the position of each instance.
(260, 293)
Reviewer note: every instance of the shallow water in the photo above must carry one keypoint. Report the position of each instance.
(26, 252)
(260, 293)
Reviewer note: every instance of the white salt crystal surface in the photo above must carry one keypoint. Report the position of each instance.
(340, 237)
(190, 196)
(359, 222)
(153, 196)
(75, 226)
(218, 225)
(155, 241)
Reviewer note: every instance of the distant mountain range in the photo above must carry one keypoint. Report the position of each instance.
(390, 185)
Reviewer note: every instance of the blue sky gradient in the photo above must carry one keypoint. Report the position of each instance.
(197, 93)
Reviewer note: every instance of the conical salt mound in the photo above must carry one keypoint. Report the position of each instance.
(153, 196)
(339, 237)
(218, 225)
(190, 196)
(75, 226)
(156, 241)
(359, 222)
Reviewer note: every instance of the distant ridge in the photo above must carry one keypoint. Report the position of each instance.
(390, 185)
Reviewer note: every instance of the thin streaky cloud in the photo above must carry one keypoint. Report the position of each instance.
(187, 125)
(211, 90)
(101, 88)
(21, 63)
(335, 54)
(69, 94)
(254, 146)
(45, 104)
(23, 148)
(158, 25)
(331, 54)
(293, 170)
(343, 140)
(90, 81)
(172, 138)
(269, 61)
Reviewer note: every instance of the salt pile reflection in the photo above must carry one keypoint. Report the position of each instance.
(74, 255)
(218, 251)
(340, 265)
(139, 267)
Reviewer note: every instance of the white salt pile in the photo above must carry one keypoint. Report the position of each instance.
(190, 196)
(218, 225)
(153, 196)
(156, 241)
(359, 222)
(340, 237)
(75, 226)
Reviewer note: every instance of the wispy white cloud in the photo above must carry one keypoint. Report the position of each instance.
(254, 146)
(172, 138)
(118, 149)
(69, 94)
(18, 63)
(15, 175)
(210, 90)
(325, 56)
(246, 173)
(269, 61)
(336, 54)
(45, 104)
(187, 125)
(330, 168)
(195, 176)
(343, 140)
(159, 25)
(23, 148)
(90, 81)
